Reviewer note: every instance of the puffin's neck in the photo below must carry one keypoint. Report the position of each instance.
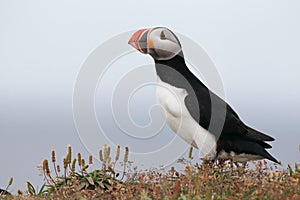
(172, 71)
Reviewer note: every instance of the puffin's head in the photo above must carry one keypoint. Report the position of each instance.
(159, 42)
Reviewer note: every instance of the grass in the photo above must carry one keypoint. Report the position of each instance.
(76, 179)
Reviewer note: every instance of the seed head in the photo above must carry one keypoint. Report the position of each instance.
(53, 156)
(11, 180)
(79, 159)
(20, 192)
(69, 149)
(58, 168)
(46, 167)
(126, 155)
(82, 162)
(117, 153)
(101, 155)
(106, 153)
(69, 155)
(73, 165)
(191, 153)
(90, 159)
(65, 163)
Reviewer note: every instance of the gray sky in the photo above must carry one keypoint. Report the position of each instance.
(254, 45)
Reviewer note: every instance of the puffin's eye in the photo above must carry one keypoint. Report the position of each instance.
(162, 35)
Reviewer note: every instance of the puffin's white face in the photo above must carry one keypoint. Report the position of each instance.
(160, 43)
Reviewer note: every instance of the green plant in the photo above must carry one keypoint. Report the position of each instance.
(83, 179)
(36, 192)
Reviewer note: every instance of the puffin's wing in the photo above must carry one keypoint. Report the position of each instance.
(209, 110)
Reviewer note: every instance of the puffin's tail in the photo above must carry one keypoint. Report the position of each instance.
(268, 156)
(258, 136)
(261, 138)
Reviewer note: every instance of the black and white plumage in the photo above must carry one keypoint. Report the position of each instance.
(196, 114)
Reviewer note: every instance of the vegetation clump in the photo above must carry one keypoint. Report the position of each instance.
(77, 179)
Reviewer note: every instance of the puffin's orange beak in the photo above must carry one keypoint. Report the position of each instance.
(139, 40)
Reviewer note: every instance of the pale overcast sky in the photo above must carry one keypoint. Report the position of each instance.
(254, 44)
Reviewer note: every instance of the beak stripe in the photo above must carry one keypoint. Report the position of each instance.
(143, 42)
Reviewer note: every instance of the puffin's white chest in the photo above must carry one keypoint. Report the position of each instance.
(181, 122)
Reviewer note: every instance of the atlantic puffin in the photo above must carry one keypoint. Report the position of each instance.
(191, 110)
